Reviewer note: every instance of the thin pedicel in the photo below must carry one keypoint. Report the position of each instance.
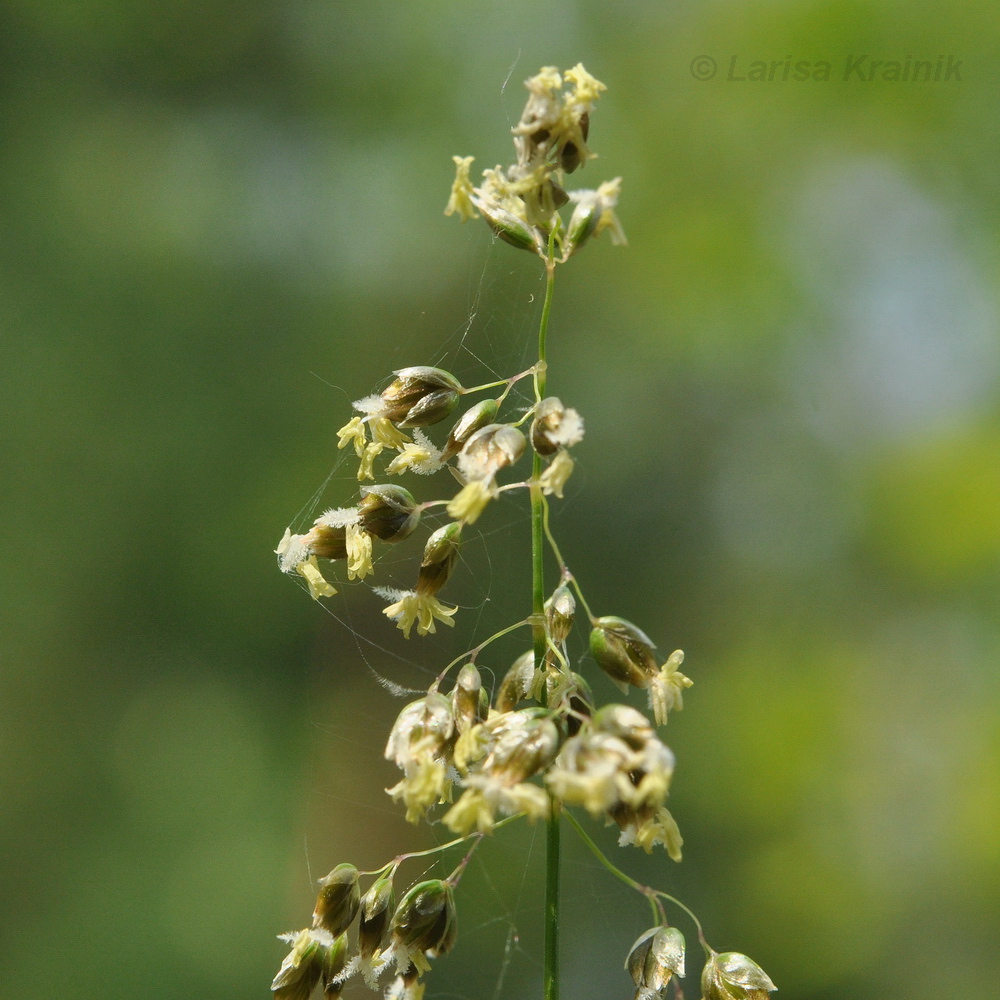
(538, 744)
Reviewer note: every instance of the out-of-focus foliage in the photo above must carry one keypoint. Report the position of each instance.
(222, 222)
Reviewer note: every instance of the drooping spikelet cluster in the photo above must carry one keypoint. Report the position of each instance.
(421, 926)
(521, 202)
(537, 744)
(477, 449)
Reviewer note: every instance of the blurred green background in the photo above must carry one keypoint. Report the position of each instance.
(222, 222)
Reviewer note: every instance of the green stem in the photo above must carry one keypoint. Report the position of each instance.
(507, 382)
(537, 499)
(564, 569)
(456, 875)
(646, 890)
(400, 858)
(599, 854)
(471, 654)
(552, 845)
(550, 974)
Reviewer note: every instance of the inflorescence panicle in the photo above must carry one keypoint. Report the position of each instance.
(536, 744)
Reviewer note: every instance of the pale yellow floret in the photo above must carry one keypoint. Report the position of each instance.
(417, 456)
(666, 689)
(651, 790)
(359, 553)
(353, 430)
(461, 190)
(569, 430)
(470, 812)
(423, 609)
(293, 550)
(498, 192)
(286, 541)
(310, 572)
(530, 182)
(478, 806)
(553, 479)
(470, 747)
(607, 200)
(386, 433)
(527, 799)
(586, 88)
(471, 501)
(659, 829)
(593, 772)
(304, 945)
(546, 81)
(411, 455)
(596, 790)
(425, 784)
(366, 470)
